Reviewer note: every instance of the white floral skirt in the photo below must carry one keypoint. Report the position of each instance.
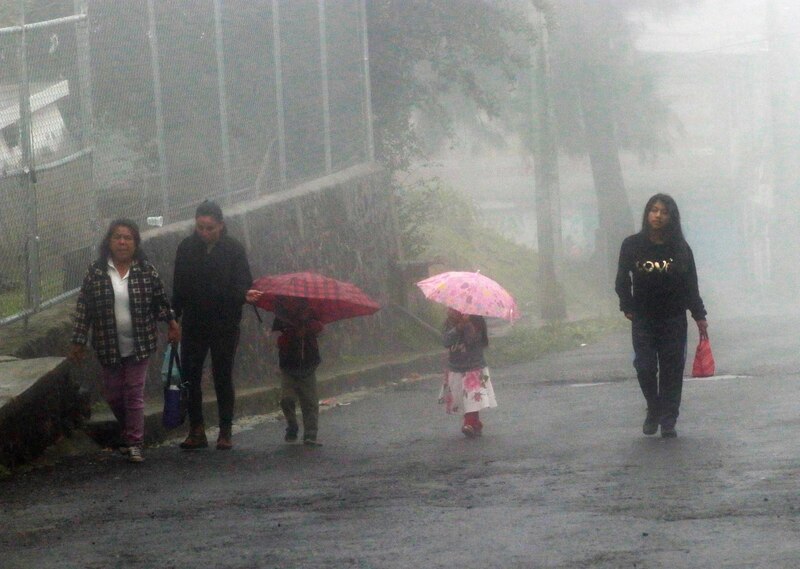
(466, 392)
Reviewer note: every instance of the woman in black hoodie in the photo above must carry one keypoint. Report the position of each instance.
(656, 283)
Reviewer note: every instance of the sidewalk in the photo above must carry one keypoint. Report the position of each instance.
(102, 427)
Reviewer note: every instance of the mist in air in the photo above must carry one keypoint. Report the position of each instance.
(726, 76)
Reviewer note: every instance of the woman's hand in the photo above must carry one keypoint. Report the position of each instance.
(253, 296)
(174, 332)
(629, 316)
(702, 328)
(76, 353)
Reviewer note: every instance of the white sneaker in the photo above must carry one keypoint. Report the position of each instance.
(135, 454)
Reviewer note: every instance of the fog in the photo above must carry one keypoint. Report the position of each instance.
(143, 109)
(729, 74)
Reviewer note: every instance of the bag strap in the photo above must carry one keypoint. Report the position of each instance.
(174, 358)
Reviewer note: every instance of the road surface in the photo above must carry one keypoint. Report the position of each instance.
(562, 478)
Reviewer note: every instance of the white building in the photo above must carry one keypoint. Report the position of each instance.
(48, 130)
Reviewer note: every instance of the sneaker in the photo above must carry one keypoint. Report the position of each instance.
(291, 434)
(650, 426)
(668, 432)
(311, 442)
(135, 454)
(469, 431)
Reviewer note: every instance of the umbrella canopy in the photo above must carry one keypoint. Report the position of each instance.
(470, 293)
(328, 299)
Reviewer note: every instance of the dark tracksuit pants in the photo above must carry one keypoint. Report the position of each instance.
(196, 343)
(660, 348)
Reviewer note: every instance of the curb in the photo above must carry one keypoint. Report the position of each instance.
(104, 430)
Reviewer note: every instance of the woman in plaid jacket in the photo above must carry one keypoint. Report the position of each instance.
(120, 300)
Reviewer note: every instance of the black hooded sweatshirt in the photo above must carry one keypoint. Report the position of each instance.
(657, 280)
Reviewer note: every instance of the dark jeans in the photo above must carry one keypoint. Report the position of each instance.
(660, 348)
(196, 343)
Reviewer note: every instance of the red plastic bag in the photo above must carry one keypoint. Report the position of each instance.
(703, 365)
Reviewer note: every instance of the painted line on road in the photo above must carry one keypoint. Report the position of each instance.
(589, 384)
(718, 377)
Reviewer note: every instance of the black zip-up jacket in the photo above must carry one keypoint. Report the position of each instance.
(657, 280)
(298, 354)
(209, 288)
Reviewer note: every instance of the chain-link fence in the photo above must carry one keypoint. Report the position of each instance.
(143, 109)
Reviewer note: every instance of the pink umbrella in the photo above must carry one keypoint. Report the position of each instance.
(470, 293)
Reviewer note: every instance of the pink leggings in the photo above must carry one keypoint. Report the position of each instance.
(124, 392)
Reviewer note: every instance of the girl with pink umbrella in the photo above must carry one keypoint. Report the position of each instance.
(469, 297)
(467, 386)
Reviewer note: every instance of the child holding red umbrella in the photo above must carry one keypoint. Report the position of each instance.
(303, 302)
(298, 358)
(467, 386)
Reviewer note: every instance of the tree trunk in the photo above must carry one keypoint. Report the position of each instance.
(614, 211)
(545, 158)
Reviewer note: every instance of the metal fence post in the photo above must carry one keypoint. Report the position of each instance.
(223, 101)
(87, 115)
(162, 153)
(326, 102)
(28, 177)
(276, 40)
(367, 87)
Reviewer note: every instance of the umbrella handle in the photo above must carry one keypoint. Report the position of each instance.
(260, 321)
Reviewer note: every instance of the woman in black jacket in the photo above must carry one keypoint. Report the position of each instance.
(656, 283)
(211, 280)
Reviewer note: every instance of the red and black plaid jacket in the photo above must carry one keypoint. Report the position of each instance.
(95, 311)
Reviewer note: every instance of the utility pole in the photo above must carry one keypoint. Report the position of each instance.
(545, 160)
(28, 176)
(155, 67)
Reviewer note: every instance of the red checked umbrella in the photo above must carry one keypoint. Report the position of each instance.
(329, 299)
(470, 293)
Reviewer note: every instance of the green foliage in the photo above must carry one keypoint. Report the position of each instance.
(440, 225)
(428, 208)
(422, 50)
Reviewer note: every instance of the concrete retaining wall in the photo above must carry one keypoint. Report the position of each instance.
(341, 226)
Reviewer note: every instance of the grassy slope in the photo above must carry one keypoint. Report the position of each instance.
(440, 224)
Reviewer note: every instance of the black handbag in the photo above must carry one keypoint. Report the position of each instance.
(176, 393)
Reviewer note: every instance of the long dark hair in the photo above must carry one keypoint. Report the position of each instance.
(480, 323)
(673, 232)
(104, 251)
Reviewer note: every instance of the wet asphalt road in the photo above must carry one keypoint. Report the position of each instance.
(562, 478)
